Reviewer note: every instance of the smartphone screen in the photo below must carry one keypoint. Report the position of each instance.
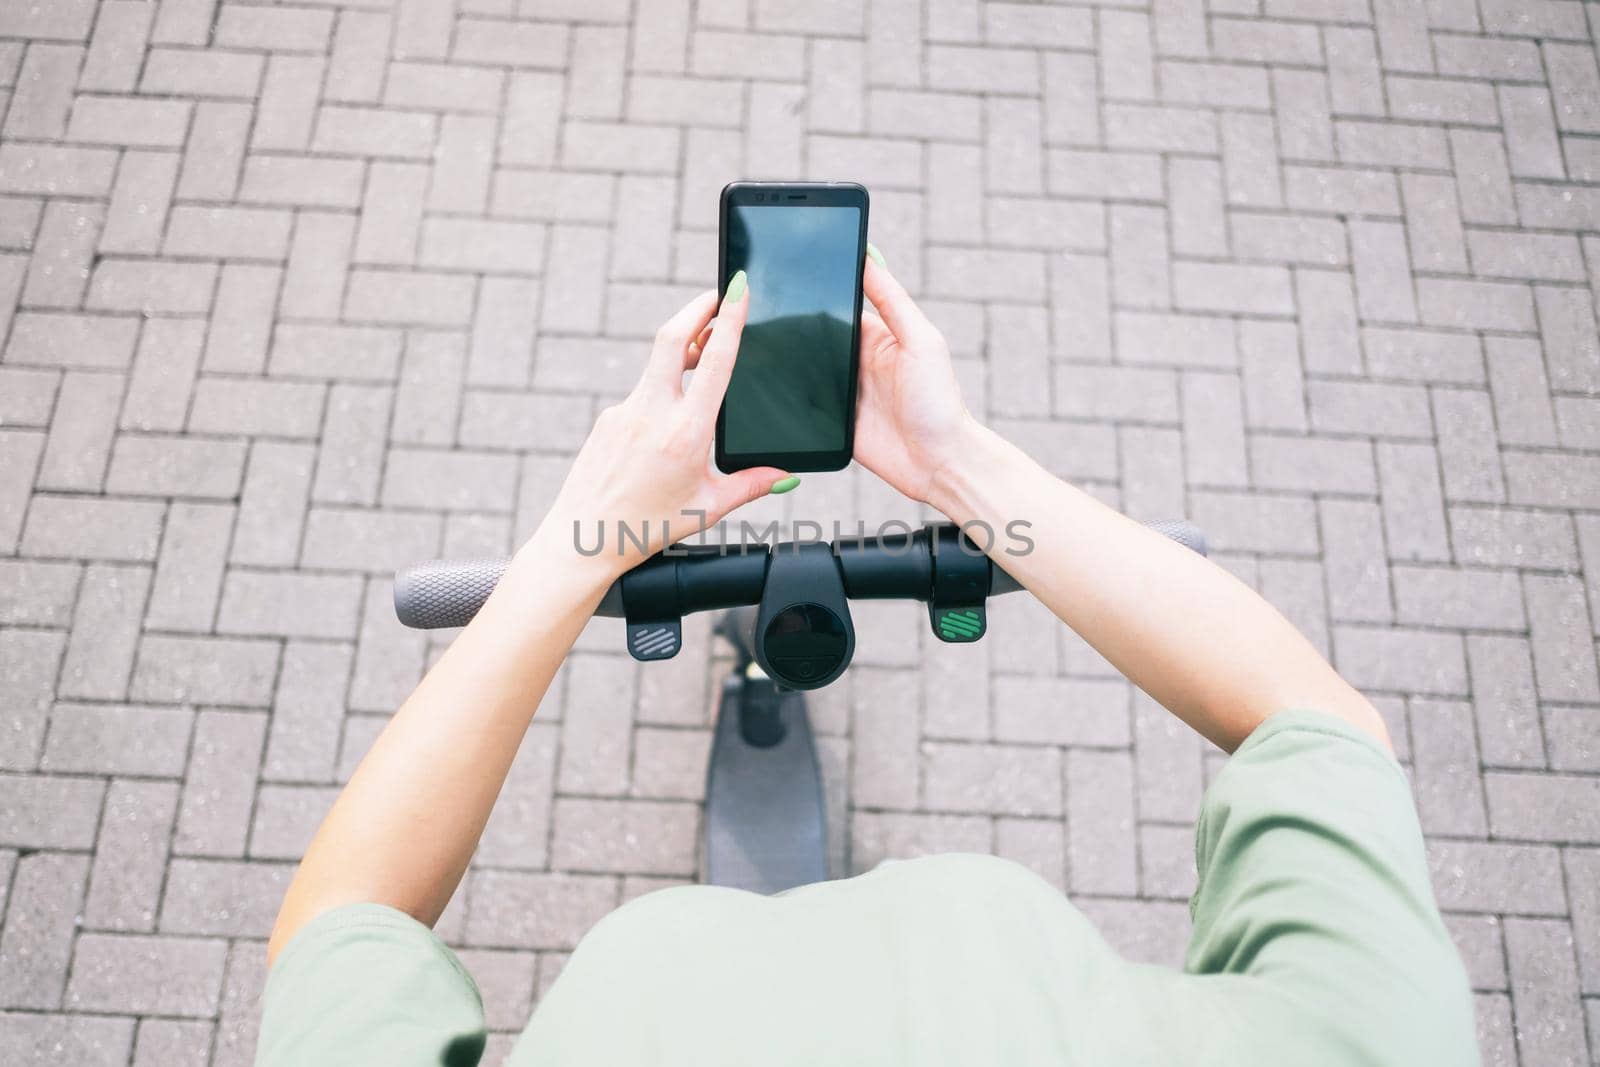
(791, 401)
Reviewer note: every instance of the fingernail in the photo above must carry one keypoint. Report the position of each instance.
(735, 289)
(877, 256)
(783, 485)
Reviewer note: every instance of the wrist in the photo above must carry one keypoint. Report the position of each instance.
(970, 458)
(556, 551)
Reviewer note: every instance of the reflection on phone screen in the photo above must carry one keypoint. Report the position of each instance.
(791, 386)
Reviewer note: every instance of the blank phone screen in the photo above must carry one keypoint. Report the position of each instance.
(791, 385)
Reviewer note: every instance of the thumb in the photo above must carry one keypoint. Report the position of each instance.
(737, 489)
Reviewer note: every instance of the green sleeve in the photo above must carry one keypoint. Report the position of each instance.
(1314, 883)
(365, 983)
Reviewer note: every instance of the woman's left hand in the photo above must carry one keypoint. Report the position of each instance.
(646, 462)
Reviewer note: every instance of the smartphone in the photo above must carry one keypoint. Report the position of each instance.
(792, 400)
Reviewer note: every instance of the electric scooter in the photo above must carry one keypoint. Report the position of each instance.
(787, 615)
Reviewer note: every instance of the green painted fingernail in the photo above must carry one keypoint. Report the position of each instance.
(783, 485)
(877, 256)
(735, 289)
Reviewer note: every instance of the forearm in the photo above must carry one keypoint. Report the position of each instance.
(1185, 631)
(404, 828)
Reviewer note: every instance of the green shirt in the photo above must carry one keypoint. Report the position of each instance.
(1316, 941)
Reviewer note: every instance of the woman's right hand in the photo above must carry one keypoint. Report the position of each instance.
(911, 422)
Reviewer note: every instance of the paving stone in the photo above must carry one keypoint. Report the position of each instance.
(92, 528)
(148, 741)
(172, 1041)
(285, 819)
(1416, 661)
(1563, 654)
(1553, 807)
(130, 862)
(515, 909)
(875, 837)
(139, 973)
(188, 577)
(1101, 840)
(518, 831)
(1481, 876)
(29, 663)
(1544, 979)
(1444, 761)
(94, 1041)
(1506, 703)
(36, 945)
(275, 297)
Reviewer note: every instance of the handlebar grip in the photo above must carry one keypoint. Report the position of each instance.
(1182, 531)
(443, 593)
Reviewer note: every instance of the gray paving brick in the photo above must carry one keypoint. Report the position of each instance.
(1552, 807)
(36, 945)
(1401, 660)
(213, 72)
(216, 153)
(92, 528)
(1101, 841)
(1482, 876)
(1060, 711)
(227, 232)
(1353, 556)
(59, 267)
(117, 739)
(597, 731)
(518, 831)
(204, 670)
(188, 576)
(36, 1037)
(350, 461)
(389, 658)
(37, 594)
(162, 380)
(1544, 982)
(99, 657)
(56, 170)
(1420, 176)
(285, 819)
(1563, 654)
(140, 973)
(651, 837)
(84, 422)
(137, 213)
(42, 100)
(160, 465)
(1571, 344)
(151, 287)
(1256, 522)
(175, 1041)
(27, 396)
(130, 861)
(1444, 761)
(875, 837)
(1412, 497)
(48, 811)
(1453, 597)
(514, 909)
(885, 729)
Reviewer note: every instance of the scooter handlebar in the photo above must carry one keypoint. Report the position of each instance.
(444, 593)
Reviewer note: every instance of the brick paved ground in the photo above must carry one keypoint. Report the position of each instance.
(292, 295)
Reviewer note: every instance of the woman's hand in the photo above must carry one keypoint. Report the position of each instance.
(910, 419)
(646, 462)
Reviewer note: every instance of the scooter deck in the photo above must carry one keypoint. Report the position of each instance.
(766, 830)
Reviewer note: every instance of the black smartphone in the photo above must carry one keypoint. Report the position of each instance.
(792, 400)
